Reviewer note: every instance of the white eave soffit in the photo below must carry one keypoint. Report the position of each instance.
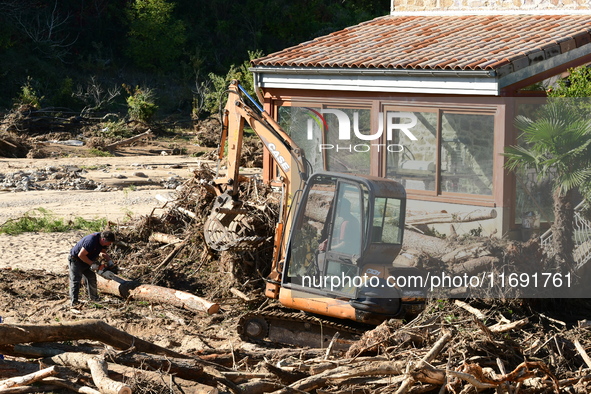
(377, 80)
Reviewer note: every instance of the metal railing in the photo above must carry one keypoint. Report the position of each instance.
(582, 239)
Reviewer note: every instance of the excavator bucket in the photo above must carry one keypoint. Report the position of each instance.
(228, 227)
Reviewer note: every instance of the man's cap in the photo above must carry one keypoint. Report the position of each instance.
(108, 236)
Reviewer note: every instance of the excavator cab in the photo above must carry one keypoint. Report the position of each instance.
(346, 234)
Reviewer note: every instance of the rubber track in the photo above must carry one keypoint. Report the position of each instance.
(298, 317)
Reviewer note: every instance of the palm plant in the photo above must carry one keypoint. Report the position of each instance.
(557, 143)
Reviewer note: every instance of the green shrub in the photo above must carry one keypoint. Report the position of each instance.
(117, 129)
(42, 220)
(29, 95)
(140, 104)
(216, 96)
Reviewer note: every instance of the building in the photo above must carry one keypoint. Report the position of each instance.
(428, 95)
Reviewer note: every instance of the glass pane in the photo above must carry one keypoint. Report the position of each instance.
(340, 277)
(311, 229)
(386, 221)
(346, 234)
(348, 142)
(467, 153)
(412, 162)
(306, 130)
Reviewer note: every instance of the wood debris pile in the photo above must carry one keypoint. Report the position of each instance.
(453, 347)
(499, 343)
(183, 261)
(208, 135)
(32, 121)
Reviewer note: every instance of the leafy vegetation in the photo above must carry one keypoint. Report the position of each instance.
(42, 220)
(557, 143)
(79, 54)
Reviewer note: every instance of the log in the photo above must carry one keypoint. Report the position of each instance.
(466, 252)
(71, 386)
(444, 217)
(164, 238)
(100, 377)
(475, 266)
(80, 361)
(120, 287)
(31, 389)
(10, 369)
(128, 140)
(28, 379)
(91, 329)
(190, 369)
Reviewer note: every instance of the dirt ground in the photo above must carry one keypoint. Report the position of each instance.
(33, 266)
(34, 281)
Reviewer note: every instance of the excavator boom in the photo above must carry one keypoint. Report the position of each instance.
(331, 226)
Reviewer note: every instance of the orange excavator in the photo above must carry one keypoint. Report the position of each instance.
(335, 241)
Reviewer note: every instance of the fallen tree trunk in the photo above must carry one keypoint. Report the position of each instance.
(28, 379)
(476, 265)
(92, 329)
(187, 384)
(451, 217)
(184, 368)
(129, 140)
(120, 287)
(100, 377)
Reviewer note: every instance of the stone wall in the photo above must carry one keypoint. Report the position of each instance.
(488, 5)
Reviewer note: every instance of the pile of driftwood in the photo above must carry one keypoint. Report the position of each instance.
(169, 243)
(452, 347)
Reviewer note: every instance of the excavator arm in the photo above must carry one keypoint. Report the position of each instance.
(227, 226)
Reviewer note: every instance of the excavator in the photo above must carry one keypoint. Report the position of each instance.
(335, 240)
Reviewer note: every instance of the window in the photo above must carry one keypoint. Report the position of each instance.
(467, 153)
(386, 221)
(412, 156)
(441, 151)
(429, 150)
(334, 138)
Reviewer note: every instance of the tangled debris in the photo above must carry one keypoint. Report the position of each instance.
(189, 264)
(494, 342)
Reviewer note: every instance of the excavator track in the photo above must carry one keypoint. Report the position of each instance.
(297, 329)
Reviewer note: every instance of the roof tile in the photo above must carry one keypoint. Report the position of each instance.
(471, 42)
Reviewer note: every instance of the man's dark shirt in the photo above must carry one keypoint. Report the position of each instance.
(92, 244)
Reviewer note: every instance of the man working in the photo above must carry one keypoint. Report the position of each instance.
(83, 262)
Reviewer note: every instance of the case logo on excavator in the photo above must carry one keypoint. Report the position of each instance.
(280, 159)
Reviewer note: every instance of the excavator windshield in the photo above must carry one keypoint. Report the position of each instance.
(339, 222)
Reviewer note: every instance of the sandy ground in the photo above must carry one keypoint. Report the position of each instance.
(136, 180)
(135, 177)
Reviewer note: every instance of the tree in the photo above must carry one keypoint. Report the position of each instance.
(557, 143)
(156, 39)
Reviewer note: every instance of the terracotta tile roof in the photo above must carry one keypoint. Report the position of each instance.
(430, 42)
